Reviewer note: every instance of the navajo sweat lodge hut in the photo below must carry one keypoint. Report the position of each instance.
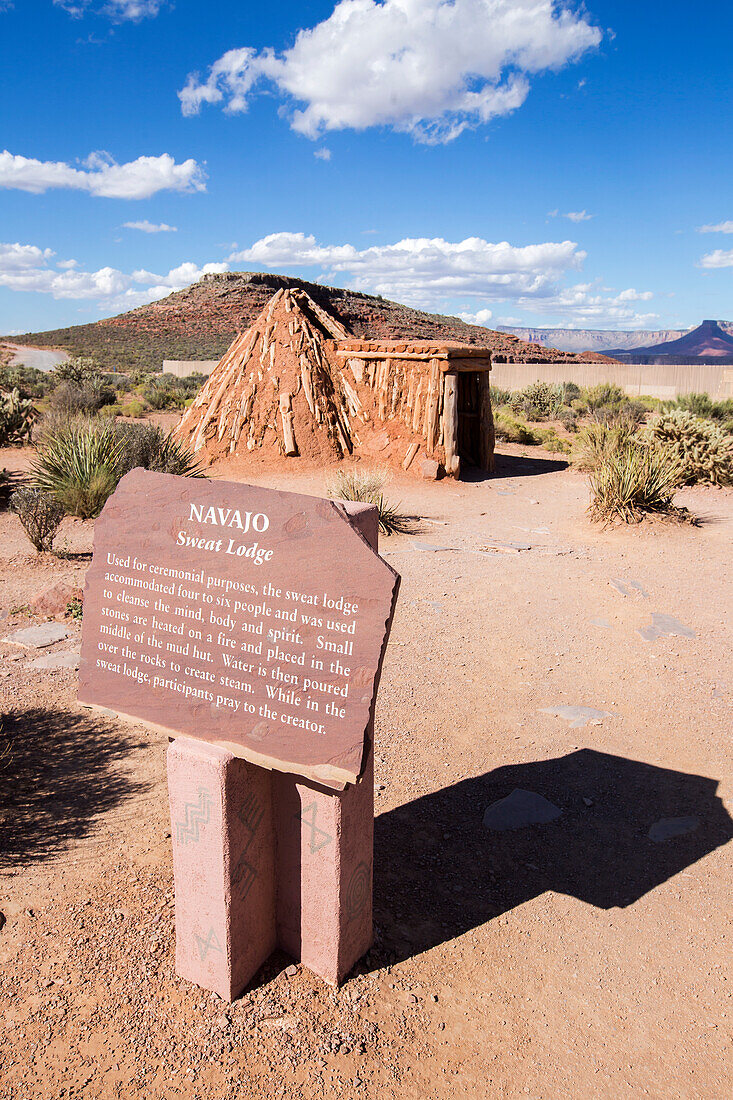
(296, 383)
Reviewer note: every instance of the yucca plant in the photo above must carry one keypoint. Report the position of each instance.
(599, 441)
(80, 467)
(631, 480)
(368, 487)
(703, 449)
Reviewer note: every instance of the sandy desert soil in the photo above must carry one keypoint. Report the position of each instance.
(578, 958)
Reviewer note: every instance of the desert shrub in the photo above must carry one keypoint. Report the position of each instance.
(551, 441)
(538, 401)
(109, 412)
(28, 381)
(500, 396)
(133, 408)
(79, 466)
(149, 446)
(568, 392)
(78, 370)
(40, 514)
(631, 480)
(166, 391)
(84, 398)
(597, 442)
(568, 417)
(368, 487)
(508, 428)
(703, 449)
(17, 415)
(604, 395)
(701, 404)
(120, 383)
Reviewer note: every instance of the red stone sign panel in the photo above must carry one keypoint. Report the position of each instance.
(248, 617)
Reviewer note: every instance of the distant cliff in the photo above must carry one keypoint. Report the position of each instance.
(608, 341)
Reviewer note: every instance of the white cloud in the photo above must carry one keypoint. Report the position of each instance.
(429, 68)
(102, 176)
(424, 270)
(151, 227)
(718, 258)
(581, 306)
(481, 317)
(721, 227)
(572, 215)
(29, 268)
(118, 10)
(323, 154)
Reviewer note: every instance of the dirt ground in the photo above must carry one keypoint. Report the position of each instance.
(577, 958)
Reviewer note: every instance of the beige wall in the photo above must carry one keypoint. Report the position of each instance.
(183, 367)
(654, 379)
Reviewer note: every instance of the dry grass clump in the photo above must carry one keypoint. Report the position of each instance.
(367, 486)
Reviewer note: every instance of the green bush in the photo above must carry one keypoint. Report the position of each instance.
(110, 411)
(700, 404)
(368, 486)
(166, 391)
(508, 428)
(538, 401)
(40, 515)
(604, 395)
(703, 449)
(632, 480)
(568, 392)
(17, 416)
(133, 408)
(551, 441)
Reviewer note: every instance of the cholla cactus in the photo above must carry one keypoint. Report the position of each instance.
(16, 418)
(704, 450)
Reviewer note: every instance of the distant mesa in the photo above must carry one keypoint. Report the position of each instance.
(712, 341)
(708, 341)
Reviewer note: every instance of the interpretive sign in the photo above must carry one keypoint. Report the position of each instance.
(244, 616)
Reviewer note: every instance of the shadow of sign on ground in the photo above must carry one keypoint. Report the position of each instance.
(59, 773)
(438, 872)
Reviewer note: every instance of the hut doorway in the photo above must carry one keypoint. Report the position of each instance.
(468, 423)
(469, 427)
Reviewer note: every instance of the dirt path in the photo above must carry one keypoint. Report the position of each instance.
(38, 358)
(579, 958)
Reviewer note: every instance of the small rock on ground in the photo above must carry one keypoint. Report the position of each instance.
(518, 809)
(69, 659)
(670, 827)
(37, 637)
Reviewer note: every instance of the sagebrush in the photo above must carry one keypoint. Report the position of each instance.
(40, 514)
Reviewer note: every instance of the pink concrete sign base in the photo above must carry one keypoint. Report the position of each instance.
(266, 859)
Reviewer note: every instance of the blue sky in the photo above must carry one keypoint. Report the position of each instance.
(514, 161)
